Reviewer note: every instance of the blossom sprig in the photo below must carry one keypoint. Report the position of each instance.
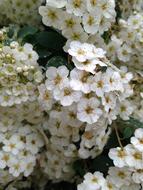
(128, 170)
(19, 73)
(79, 18)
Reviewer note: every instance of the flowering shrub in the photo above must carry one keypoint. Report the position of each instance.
(71, 95)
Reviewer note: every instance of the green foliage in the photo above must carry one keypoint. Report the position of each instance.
(43, 52)
(48, 44)
(128, 127)
(51, 40)
(79, 167)
(57, 61)
(26, 31)
(11, 31)
(106, 36)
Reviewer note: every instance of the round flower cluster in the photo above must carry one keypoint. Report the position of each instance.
(130, 157)
(20, 141)
(19, 12)
(128, 170)
(19, 147)
(126, 45)
(51, 118)
(129, 6)
(117, 179)
(19, 74)
(79, 105)
(79, 18)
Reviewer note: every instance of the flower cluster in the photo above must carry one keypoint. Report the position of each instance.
(19, 146)
(19, 74)
(128, 170)
(117, 179)
(80, 105)
(128, 7)
(79, 18)
(20, 140)
(125, 46)
(53, 116)
(19, 12)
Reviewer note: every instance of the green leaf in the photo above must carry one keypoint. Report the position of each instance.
(43, 53)
(101, 163)
(10, 32)
(128, 132)
(79, 168)
(51, 40)
(128, 127)
(57, 61)
(26, 31)
(106, 36)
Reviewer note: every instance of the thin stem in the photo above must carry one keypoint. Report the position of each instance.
(113, 66)
(69, 59)
(42, 133)
(44, 137)
(118, 137)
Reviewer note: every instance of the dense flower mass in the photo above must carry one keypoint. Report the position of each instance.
(19, 74)
(19, 12)
(80, 18)
(71, 94)
(128, 170)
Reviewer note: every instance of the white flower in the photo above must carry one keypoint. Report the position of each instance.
(113, 81)
(13, 145)
(69, 116)
(109, 101)
(134, 157)
(29, 167)
(4, 159)
(33, 143)
(91, 5)
(125, 76)
(88, 65)
(98, 84)
(118, 156)
(137, 176)
(137, 140)
(56, 77)
(67, 95)
(93, 181)
(16, 167)
(125, 109)
(81, 51)
(76, 7)
(91, 22)
(56, 3)
(107, 8)
(124, 53)
(80, 80)
(70, 22)
(51, 16)
(88, 110)
(45, 97)
(75, 34)
(119, 176)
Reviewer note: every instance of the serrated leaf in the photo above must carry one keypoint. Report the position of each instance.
(51, 40)
(26, 31)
